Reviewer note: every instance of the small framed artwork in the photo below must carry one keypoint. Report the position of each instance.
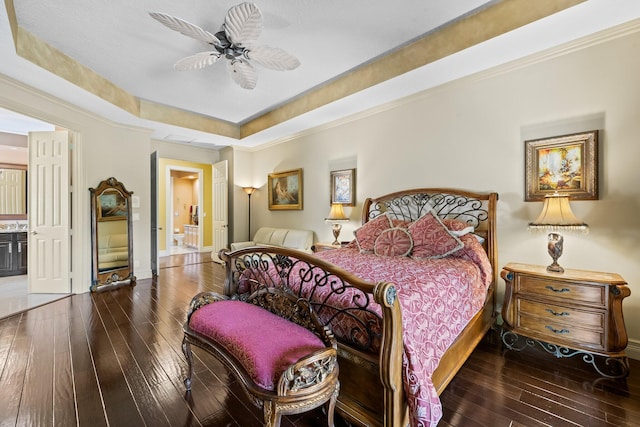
(285, 190)
(567, 164)
(343, 187)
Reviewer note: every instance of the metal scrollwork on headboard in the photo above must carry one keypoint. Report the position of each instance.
(410, 207)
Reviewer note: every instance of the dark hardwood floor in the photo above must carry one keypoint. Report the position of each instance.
(114, 359)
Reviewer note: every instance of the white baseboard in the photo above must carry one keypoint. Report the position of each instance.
(633, 349)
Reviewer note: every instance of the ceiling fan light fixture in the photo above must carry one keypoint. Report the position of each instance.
(242, 26)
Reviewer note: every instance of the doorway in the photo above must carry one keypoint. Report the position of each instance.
(184, 210)
(14, 150)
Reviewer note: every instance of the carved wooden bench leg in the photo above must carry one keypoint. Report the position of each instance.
(331, 407)
(271, 415)
(186, 349)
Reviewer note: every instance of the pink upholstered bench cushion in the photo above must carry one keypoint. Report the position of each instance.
(264, 343)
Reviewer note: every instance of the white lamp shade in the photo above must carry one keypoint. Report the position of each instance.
(557, 215)
(336, 213)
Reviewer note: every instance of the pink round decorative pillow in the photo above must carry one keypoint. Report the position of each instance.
(393, 242)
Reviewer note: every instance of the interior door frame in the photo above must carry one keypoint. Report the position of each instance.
(155, 261)
(169, 204)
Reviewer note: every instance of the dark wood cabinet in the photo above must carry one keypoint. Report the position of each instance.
(13, 254)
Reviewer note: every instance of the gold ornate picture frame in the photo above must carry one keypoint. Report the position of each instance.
(565, 164)
(285, 190)
(343, 187)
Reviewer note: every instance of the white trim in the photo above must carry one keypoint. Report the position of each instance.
(633, 349)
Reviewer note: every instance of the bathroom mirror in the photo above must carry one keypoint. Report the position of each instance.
(111, 235)
(13, 191)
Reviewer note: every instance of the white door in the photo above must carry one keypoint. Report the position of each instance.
(49, 223)
(220, 208)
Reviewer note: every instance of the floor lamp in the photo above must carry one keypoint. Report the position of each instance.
(249, 191)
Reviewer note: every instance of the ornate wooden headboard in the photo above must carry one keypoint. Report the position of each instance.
(476, 209)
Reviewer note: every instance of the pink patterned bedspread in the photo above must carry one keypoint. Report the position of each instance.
(438, 297)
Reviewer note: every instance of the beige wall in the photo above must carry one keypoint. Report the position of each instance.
(469, 134)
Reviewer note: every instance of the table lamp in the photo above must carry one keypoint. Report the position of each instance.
(336, 216)
(557, 216)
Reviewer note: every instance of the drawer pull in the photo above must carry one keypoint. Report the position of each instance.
(560, 291)
(557, 331)
(555, 313)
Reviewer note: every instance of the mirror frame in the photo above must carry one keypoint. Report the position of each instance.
(26, 186)
(120, 275)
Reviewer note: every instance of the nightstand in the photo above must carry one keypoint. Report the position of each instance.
(570, 313)
(319, 247)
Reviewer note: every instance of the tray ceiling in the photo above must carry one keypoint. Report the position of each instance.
(113, 59)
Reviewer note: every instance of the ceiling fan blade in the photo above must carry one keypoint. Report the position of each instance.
(273, 58)
(242, 73)
(243, 23)
(184, 27)
(197, 61)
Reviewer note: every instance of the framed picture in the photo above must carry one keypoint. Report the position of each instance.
(343, 187)
(566, 164)
(112, 206)
(285, 190)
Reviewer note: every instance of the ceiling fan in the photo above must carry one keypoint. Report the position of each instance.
(235, 42)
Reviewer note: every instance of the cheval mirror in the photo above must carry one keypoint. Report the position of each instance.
(111, 235)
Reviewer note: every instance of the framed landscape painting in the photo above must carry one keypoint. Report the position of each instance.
(565, 164)
(285, 190)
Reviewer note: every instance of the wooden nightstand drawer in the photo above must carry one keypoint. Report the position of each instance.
(580, 293)
(561, 332)
(559, 314)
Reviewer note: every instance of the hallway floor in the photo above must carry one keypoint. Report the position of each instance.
(15, 297)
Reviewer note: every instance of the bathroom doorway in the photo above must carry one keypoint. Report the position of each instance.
(184, 213)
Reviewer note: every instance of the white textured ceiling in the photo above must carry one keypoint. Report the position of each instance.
(118, 40)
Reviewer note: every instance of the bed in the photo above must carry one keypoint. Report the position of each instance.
(405, 324)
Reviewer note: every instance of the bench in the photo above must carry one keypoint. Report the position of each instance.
(273, 342)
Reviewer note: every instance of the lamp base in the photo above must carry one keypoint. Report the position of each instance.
(555, 268)
(554, 247)
(336, 232)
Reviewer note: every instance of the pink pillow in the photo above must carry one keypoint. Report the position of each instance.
(431, 239)
(474, 251)
(400, 223)
(367, 234)
(393, 242)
